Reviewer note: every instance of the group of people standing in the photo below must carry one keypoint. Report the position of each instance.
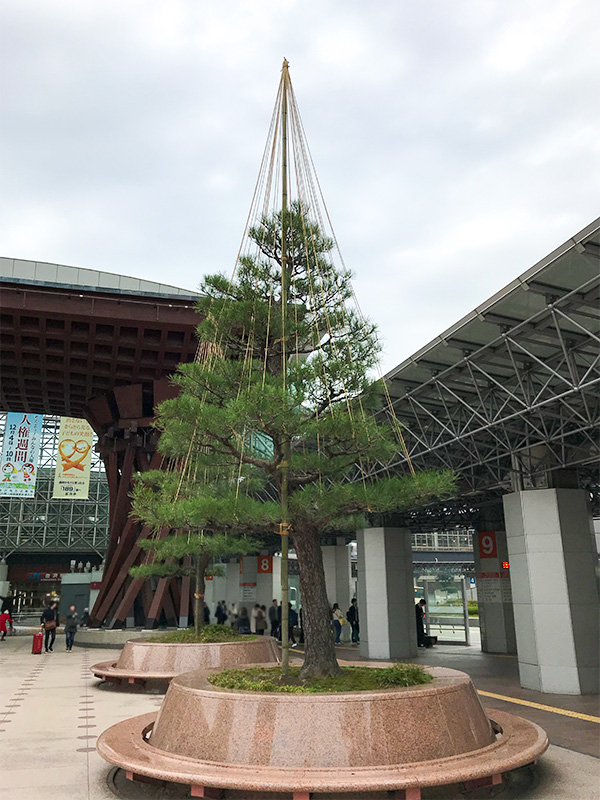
(261, 619)
(351, 618)
(255, 622)
(50, 620)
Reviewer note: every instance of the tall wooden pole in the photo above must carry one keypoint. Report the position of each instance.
(284, 527)
(197, 597)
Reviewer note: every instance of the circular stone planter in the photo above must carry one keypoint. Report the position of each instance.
(392, 739)
(144, 659)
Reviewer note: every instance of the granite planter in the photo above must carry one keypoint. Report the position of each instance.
(145, 659)
(397, 739)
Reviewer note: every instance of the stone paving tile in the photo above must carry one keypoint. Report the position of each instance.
(51, 711)
(52, 708)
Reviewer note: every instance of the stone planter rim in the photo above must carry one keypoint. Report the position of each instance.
(207, 689)
(150, 640)
(124, 745)
(109, 670)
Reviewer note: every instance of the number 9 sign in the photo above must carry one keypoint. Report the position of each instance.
(487, 544)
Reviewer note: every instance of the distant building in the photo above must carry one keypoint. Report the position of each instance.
(39, 536)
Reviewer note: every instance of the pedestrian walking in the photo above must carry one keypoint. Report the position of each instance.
(71, 624)
(85, 619)
(352, 617)
(274, 618)
(292, 622)
(220, 613)
(261, 621)
(49, 621)
(337, 617)
(420, 615)
(5, 621)
(206, 612)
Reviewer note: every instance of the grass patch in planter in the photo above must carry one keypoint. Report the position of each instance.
(210, 634)
(351, 679)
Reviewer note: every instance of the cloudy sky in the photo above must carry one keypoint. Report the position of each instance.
(457, 142)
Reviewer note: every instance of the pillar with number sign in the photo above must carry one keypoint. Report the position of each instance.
(268, 579)
(260, 580)
(494, 595)
(553, 558)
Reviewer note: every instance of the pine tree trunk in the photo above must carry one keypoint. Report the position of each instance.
(199, 592)
(320, 660)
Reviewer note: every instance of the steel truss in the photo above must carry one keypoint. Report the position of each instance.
(509, 411)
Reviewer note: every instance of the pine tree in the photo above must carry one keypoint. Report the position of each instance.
(297, 376)
(192, 555)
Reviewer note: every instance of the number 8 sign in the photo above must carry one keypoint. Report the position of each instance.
(487, 544)
(265, 564)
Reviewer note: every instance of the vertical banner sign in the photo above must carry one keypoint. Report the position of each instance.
(73, 459)
(20, 452)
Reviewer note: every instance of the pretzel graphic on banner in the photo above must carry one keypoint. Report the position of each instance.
(69, 448)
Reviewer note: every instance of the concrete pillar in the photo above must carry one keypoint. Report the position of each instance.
(268, 580)
(494, 596)
(232, 584)
(338, 573)
(552, 558)
(338, 576)
(247, 583)
(386, 593)
(4, 584)
(215, 589)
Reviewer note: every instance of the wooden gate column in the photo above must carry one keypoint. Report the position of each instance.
(127, 443)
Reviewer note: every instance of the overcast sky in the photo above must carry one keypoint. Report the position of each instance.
(456, 142)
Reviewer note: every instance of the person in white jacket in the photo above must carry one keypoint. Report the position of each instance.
(337, 617)
(253, 616)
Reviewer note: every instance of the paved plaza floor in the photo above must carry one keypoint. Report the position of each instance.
(52, 709)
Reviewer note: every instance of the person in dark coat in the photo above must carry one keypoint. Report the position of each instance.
(50, 620)
(242, 622)
(71, 624)
(261, 623)
(292, 622)
(7, 604)
(220, 613)
(420, 614)
(85, 619)
(206, 614)
(352, 617)
(274, 617)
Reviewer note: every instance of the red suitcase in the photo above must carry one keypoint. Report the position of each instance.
(38, 643)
